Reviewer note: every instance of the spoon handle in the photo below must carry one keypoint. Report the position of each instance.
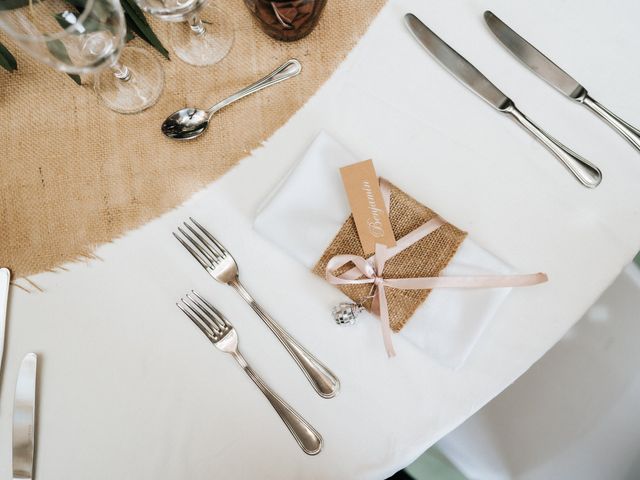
(283, 72)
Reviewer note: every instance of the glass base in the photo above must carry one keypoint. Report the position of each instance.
(209, 47)
(142, 88)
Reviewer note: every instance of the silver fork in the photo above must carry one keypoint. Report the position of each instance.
(219, 263)
(222, 334)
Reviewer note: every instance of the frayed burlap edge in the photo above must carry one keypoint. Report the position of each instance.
(75, 175)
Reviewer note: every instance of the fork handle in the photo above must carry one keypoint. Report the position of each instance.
(321, 378)
(307, 437)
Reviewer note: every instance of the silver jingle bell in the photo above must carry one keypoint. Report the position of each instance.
(347, 313)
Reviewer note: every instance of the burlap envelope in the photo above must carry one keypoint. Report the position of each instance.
(426, 258)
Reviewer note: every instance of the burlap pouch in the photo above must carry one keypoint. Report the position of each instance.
(426, 258)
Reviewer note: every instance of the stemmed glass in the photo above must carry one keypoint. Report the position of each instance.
(204, 34)
(84, 36)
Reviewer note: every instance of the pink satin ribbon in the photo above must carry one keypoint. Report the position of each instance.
(371, 271)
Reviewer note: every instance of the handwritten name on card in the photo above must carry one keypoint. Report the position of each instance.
(367, 205)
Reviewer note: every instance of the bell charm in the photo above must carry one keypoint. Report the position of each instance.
(347, 313)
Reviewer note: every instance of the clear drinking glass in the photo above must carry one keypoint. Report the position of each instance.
(86, 36)
(201, 34)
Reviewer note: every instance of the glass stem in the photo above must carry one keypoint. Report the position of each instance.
(197, 27)
(121, 72)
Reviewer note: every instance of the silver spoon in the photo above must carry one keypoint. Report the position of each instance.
(192, 122)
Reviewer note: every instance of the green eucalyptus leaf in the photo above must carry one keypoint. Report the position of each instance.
(7, 61)
(75, 78)
(129, 35)
(137, 22)
(13, 4)
(79, 4)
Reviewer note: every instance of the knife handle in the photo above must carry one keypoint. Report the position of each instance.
(628, 131)
(586, 172)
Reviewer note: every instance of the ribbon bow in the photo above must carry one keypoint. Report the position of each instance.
(371, 271)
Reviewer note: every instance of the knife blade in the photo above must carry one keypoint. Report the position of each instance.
(583, 170)
(551, 73)
(533, 58)
(5, 279)
(457, 65)
(24, 418)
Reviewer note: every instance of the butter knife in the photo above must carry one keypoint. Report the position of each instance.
(24, 419)
(5, 278)
(584, 171)
(539, 64)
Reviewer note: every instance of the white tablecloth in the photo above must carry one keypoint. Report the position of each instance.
(131, 390)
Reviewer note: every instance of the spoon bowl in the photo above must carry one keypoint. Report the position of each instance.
(191, 122)
(186, 124)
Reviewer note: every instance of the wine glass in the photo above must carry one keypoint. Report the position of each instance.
(204, 34)
(83, 36)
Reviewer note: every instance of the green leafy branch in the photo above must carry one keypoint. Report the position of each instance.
(136, 24)
(7, 61)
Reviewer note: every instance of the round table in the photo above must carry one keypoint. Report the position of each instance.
(129, 389)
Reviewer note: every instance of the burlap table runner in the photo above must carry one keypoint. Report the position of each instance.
(425, 258)
(74, 175)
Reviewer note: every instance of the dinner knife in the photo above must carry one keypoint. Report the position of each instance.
(5, 278)
(24, 419)
(537, 62)
(587, 173)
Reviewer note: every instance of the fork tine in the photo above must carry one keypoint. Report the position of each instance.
(204, 316)
(206, 243)
(208, 310)
(203, 328)
(204, 262)
(211, 237)
(198, 246)
(217, 314)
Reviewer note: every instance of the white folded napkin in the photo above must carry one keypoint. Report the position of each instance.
(303, 215)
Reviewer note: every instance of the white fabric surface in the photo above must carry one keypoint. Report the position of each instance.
(131, 390)
(574, 413)
(304, 213)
